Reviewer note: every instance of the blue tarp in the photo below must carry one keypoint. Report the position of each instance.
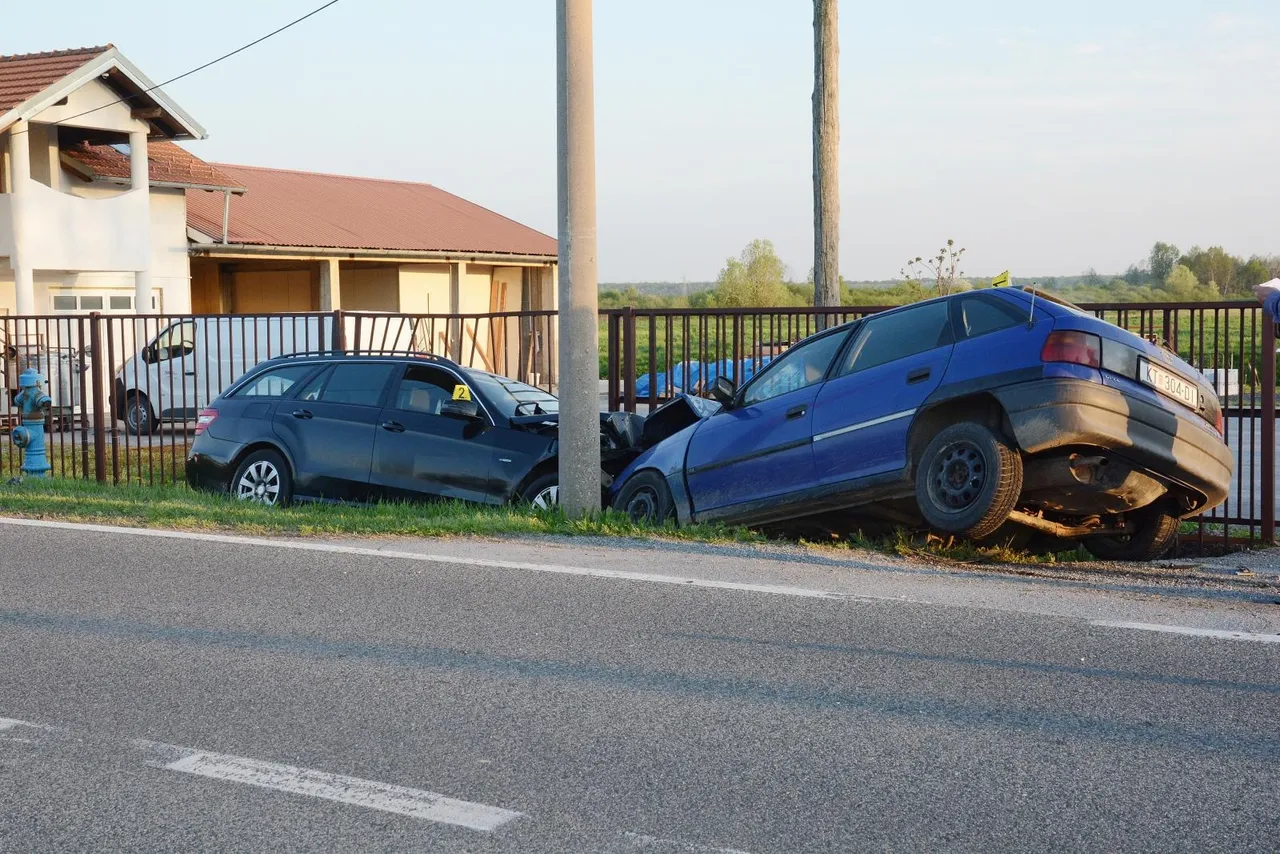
(694, 377)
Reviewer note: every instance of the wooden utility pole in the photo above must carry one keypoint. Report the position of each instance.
(826, 155)
(579, 458)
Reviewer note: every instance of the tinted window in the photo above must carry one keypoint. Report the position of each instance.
(980, 315)
(800, 367)
(424, 389)
(358, 383)
(275, 383)
(91, 303)
(64, 303)
(311, 391)
(513, 398)
(895, 336)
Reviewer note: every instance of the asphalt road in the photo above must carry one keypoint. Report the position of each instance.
(161, 694)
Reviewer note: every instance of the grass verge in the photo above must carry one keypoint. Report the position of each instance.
(176, 507)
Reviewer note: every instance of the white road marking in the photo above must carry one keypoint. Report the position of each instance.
(1188, 630)
(642, 841)
(619, 575)
(415, 803)
(10, 723)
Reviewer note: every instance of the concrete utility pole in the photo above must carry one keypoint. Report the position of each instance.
(826, 156)
(579, 304)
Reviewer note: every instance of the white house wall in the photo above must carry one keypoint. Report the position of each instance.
(86, 105)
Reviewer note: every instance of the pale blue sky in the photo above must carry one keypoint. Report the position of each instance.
(1046, 138)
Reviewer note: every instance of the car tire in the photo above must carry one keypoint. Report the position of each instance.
(263, 477)
(968, 481)
(1155, 533)
(543, 492)
(139, 418)
(646, 499)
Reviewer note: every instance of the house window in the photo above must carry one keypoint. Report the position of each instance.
(91, 303)
(64, 303)
(124, 303)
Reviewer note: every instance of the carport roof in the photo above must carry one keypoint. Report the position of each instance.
(307, 209)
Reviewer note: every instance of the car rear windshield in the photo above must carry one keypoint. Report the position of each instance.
(1048, 297)
(513, 398)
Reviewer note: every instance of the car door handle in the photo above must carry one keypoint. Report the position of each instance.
(919, 375)
(393, 426)
(191, 373)
(798, 411)
(302, 413)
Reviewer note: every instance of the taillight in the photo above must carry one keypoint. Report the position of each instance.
(1078, 348)
(1222, 424)
(204, 419)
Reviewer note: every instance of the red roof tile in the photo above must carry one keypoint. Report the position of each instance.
(25, 75)
(169, 164)
(286, 208)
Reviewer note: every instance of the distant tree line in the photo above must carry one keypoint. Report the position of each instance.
(757, 277)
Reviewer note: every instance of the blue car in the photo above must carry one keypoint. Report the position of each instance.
(976, 413)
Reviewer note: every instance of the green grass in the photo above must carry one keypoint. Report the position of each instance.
(179, 508)
(176, 507)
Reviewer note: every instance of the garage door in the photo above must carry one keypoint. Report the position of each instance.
(272, 291)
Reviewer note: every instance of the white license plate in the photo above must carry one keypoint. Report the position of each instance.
(1170, 384)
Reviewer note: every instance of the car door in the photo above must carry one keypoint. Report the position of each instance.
(863, 414)
(760, 448)
(328, 429)
(420, 449)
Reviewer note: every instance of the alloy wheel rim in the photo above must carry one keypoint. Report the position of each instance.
(259, 484)
(958, 476)
(547, 498)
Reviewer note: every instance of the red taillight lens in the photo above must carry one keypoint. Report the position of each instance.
(1221, 425)
(204, 419)
(1078, 348)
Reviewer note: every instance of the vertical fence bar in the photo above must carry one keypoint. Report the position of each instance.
(101, 362)
(612, 367)
(629, 356)
(653, 360)
(1268, 429)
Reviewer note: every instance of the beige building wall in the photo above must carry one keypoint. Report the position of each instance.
(369, 288)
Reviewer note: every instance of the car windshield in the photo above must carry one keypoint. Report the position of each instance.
(513, 398)
(1056, 300)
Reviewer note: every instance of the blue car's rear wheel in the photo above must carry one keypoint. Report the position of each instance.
(645, 498)
(968, 481)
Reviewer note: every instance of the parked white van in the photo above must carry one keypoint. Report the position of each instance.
(189, 363)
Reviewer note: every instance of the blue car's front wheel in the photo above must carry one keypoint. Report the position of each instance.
(645, 498)
(968, 481)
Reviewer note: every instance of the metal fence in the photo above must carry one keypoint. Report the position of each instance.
(126, 389)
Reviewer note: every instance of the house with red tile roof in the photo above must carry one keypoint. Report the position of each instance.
(102, 210)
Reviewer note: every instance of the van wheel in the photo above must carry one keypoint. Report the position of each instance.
(968, 481)
(139, 418)
(646, 499)
(1153, 537)
(263, 478)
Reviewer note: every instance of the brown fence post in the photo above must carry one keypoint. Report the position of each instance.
(737, 349)
(629, 356)
(339, 331)
(101, 360)
(1268, 428)
(612, 367)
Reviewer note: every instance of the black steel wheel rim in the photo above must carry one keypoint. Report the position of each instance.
(643, 505)
(957, 476)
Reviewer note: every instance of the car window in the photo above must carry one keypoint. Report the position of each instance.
(512, 398)
(276, 382)
(890, 337)
(358, 383)
(312, 388)
(424, 389)
(175, 342)
(801, 366)
(980, 315)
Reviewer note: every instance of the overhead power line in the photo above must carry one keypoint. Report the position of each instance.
(211, 62)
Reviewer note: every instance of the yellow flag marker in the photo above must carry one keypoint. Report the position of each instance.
(461, 392)
(1001, 280)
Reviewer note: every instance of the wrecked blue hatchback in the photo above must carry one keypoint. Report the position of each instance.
(972, 414)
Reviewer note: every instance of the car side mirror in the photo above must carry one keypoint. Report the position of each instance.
(724, 391)
(465, 410)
